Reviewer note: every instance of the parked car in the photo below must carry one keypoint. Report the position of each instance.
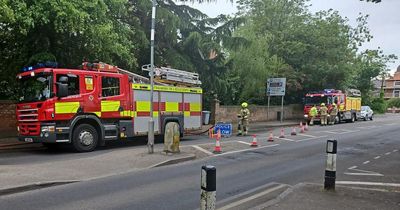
(366, 113)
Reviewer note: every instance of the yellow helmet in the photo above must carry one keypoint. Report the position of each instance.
(244, 105)
(322, 104)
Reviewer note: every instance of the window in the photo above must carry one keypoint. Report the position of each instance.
(396, 93)
(397, 83)
(110, 86)
(73, 83)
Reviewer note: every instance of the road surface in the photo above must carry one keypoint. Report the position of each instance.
(367, 152)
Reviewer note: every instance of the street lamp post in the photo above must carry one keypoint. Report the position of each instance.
(150, 136)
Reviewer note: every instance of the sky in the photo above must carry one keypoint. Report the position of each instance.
(384, 19)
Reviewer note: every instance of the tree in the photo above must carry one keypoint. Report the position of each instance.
(68, 30)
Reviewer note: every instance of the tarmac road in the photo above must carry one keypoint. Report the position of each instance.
(289, 161)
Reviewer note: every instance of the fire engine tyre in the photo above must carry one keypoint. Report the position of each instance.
(353, 118)
(85, 138)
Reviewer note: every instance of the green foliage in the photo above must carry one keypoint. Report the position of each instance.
(379, 105)
(394, 102)
(234, 55)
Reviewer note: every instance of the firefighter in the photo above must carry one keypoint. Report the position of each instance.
(324, 114)
(243, 119)
(313, 113)
(334, 112)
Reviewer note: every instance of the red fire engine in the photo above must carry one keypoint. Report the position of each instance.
(348, 103)
(100, 102)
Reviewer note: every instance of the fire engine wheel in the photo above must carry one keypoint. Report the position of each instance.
(85, 138)
(353, 118)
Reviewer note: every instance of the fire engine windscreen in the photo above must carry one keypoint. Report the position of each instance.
(35, 88)
(317, 100)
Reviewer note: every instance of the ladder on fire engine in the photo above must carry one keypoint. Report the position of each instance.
(175, 77)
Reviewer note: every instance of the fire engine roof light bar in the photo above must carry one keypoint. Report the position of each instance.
(47, 64)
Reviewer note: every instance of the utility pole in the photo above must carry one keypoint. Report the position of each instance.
(150, 136)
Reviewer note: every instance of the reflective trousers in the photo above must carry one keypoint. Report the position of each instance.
(324, 119)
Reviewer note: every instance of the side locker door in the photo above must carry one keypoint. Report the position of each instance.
(142, 111)
(112, 96)
(192, 111)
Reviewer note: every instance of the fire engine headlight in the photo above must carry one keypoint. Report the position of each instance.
(306, 115)
(48, 129)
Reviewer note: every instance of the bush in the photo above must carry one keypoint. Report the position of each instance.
(378, 105)
(394, 102)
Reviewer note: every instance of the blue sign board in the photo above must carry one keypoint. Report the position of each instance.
(225, 128)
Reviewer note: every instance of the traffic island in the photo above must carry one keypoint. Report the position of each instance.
(22, 176)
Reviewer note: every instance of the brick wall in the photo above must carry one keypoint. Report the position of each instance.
(258, 113)
(7, 119)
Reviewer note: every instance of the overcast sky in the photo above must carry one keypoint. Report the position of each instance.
(384, 20)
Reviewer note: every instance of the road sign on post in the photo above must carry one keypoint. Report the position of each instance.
(276, 87)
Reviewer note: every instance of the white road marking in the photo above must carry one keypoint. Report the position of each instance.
(363, 174)
(301, 134)
(258, 195)
(243, 142)
(203, 150)
(369, 183)
(286, 139)
(362, 127)
(387, 153)
(395, 150)
(377, 157)
(243, 150)
(350, 131)
(366, 162)
(390, 124)
(330, 132)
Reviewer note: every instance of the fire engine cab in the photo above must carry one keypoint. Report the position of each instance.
(99, 102)
(348, 104)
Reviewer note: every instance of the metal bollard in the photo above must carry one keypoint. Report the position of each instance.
(208, 187)
(330, 170)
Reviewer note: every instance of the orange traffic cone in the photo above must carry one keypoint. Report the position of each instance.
(306, 127)
(217, 148)
(302, 129)
(282, 133)
(210, 133)
(271, 136)
(254, 142)
(293, 133)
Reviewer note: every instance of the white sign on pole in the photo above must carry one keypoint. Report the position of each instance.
(276, 86)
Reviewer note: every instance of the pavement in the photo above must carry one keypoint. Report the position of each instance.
(108, 178)
(307, 196)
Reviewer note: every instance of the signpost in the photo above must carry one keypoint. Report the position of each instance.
(276, 87)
